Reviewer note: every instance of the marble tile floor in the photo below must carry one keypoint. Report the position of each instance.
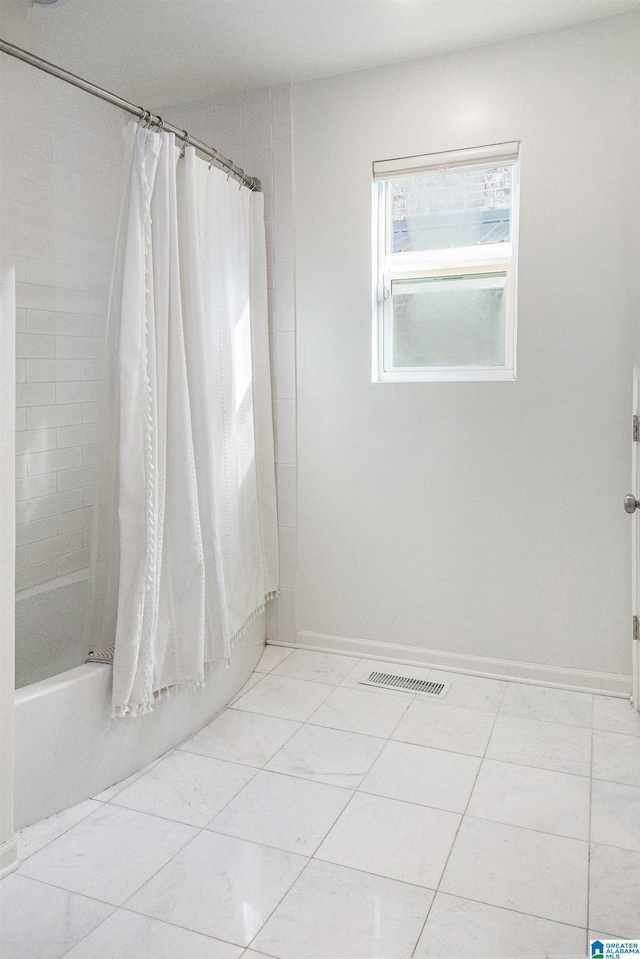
(316, 817)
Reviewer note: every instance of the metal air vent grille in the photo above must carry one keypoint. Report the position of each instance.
(408, 683)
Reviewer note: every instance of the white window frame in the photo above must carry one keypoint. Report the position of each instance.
(496, 258)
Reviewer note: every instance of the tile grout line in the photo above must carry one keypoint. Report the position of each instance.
(133, 777)
(300, 724)
(173, 749)
(354, 791)
(403, 882)
(102, 802)
(419, 697)
(201, 830)
(190, 840)
(312, 858)
(309, 859)
(517, 912)
(167, 922)
(257, 769)
(101, 923)
(462, 818)
(357, 789)
(439, 748)
(590, 824)
(355, 732)
(299, 679)
(71, 892)
(389, 739)
(269, 671)
(181, 822)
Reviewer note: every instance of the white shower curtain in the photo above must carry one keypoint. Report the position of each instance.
(189, 467)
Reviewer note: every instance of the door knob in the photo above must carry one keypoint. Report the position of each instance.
(631, 504)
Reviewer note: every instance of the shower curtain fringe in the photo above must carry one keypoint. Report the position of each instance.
(130, 711)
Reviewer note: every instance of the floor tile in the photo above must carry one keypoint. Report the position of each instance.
(186, 787)
(616, 758)
(363, 710)
(242, 737)
(283, 697)
(615, 814)
(429, 777)
(109, 855)
(390, 838)
(614, 900)
(108, 794)
(364, 667)
(327, 756)
(615, 715)
(565, 749)
(41, 922)
(472, 692)
(461, 928)
(533, 798)
(547, 704)
(316, 667)
(220, 886)
(515, 876)
(32, 838)
(272, 657)
(126, 935)
(445, 727)
(252, 681)
(332, 911)
(519, 869)
(592, 934)
(283, 811)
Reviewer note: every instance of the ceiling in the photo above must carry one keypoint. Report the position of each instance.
(172, 51)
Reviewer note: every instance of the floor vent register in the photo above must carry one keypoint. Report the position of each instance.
(392, 681)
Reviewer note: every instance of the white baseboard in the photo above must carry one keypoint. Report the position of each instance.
(582, 680)
(8, 857)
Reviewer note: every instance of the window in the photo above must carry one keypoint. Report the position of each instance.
(444, 266)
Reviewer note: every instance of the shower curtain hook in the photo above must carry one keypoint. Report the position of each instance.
(214, 157)
(185, 144)
(241, 175)
(145, 116)
(160, 125)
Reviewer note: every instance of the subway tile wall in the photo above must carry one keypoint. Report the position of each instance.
(60, 152)
(254, 129)
(59, 198)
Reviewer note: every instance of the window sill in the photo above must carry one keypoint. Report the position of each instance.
(446, 376)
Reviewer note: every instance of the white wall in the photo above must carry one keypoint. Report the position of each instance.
(59, 201)
(254, 130)
(482, 519)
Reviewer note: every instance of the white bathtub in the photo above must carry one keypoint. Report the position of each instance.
(67, 747)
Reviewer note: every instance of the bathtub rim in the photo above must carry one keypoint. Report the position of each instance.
(106, 750)
(59, 681)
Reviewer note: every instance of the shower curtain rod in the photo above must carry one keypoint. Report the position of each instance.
(252, 182)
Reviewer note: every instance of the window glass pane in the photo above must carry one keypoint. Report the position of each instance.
(449, 321)
(445, 210)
